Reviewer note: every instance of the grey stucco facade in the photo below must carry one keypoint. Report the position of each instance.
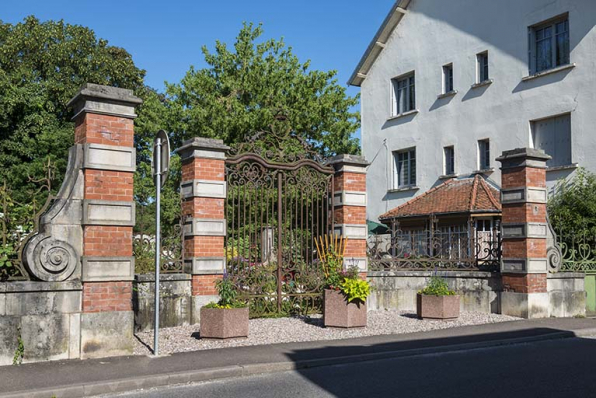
(431, 34)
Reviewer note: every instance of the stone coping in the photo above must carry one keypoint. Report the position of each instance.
(566, 275)
(445, 274)
(34, 286)
(150, 278)
(92, 90)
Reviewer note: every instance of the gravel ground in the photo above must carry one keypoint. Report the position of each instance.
(287, 330)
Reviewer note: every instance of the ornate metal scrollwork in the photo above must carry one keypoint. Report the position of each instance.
(554, 255)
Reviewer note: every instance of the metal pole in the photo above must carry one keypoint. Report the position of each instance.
(157, 242)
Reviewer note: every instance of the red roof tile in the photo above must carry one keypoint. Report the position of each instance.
(468, 195)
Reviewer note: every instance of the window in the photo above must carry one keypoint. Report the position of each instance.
(549, 45)
(404, 98)
(482, 65)
(553, 136)
(405, 168)
(447, 78)
(483, 154)
(449, 160)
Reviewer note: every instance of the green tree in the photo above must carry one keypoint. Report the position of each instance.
(572, 205)
(242, 90)
(42, 65)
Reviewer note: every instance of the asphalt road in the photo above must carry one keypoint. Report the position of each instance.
(556, 368)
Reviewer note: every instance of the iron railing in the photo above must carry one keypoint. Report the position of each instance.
(458, 248)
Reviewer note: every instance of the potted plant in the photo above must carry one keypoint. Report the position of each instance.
(228, 317)
(345, 293)
(437, 301)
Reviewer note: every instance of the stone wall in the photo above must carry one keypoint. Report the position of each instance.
(174, 300)
(567, 294)
(479, 291)
(46, 316)
(396, 290)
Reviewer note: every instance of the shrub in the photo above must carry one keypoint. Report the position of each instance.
(355, 289)
(228, 295)
(437, 286)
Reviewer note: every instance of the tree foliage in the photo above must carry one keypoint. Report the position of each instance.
(572, 205)
(242, 90)
(42, 65)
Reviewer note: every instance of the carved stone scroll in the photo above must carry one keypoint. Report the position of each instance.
(53, 254)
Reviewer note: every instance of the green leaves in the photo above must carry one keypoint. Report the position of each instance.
(437, 286)
(355, 289)
(42, 65)
(243, 88)
(572, 204)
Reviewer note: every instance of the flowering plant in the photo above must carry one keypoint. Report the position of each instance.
(228, 295)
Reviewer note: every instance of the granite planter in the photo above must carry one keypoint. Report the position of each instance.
(437, 307)
(341, 314)
(220, 323)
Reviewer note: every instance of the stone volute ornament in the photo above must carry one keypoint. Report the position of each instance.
(53, 253)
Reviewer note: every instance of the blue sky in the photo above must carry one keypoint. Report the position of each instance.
(165, 37)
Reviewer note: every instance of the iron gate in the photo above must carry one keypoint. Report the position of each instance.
(279, 199)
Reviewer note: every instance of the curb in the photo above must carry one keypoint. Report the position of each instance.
(147, 382)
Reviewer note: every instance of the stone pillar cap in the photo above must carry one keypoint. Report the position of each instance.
(105, 100)
(527, 153)
(523, 157)
(97, 91)
(189, 147)
(352, 160)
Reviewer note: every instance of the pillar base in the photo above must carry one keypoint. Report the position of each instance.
(525, 305)
(107, 334)
(196, 303)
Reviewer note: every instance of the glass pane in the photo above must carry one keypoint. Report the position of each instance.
(412, 96)
(413, 172)
(562, 49)
(543, 55)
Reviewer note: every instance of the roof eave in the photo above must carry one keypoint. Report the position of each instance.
(378, 42)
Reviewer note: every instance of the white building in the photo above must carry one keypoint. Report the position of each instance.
(446, 86)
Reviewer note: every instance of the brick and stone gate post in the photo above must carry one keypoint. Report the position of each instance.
(350, 208)
(203, 192)
(524, 232)
(104, 127)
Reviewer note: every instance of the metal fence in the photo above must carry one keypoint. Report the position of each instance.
(448, 248)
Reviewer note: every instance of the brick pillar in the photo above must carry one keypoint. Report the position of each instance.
(104, 126)
(524, 231)
(350, 208)
(203, 191)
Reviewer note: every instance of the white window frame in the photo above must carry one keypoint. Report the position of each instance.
(448, 78)
(445, 158)
(480, 66)
(397, 175)
(482, 150)
(410, 93)
(533, 48)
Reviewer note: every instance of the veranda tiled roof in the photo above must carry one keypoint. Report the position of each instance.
(467, 195)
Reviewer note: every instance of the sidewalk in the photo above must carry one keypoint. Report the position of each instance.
(76, 378)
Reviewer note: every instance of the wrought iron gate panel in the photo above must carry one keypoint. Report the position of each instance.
(274, 211)
(435, 249)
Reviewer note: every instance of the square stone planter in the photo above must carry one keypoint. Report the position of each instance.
(219, 323)
(341, 314)
(437, 307)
